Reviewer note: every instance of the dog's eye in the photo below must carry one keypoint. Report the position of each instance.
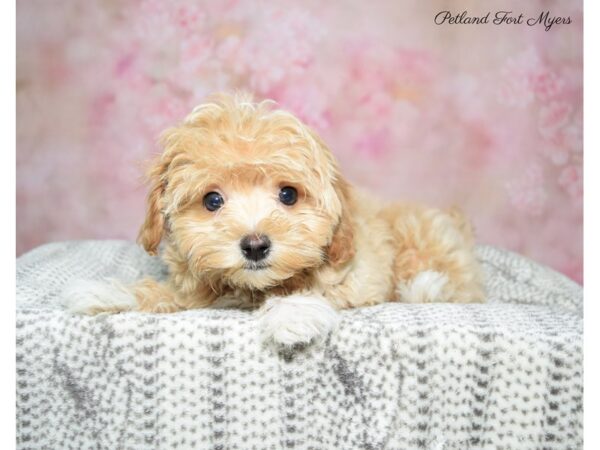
(288, 195)
(213, 201)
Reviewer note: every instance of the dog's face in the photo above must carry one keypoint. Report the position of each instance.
(248, 196)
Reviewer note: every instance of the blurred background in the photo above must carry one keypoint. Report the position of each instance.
(481, 116)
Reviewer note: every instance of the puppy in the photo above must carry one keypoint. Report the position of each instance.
(253, 212)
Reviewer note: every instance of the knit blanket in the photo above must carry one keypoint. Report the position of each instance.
(502, 375)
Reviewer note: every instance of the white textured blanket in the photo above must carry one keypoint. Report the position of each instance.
(502, 375)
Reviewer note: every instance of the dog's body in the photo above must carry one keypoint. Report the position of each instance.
(253, 213)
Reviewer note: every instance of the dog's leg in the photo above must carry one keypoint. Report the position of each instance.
(111, 296)
(296, 319)
(436, 261)
(155, 297)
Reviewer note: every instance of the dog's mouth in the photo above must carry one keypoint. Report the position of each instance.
(255, 266)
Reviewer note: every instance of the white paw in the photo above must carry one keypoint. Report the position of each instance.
(425, 287)
(94, 297)
(296, 319)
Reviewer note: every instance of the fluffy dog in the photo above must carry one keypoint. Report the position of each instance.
(253, 212)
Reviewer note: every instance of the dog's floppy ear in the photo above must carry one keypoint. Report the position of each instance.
(152, 229)
(341, 249)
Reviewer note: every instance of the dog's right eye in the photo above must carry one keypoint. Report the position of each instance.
(213, 201)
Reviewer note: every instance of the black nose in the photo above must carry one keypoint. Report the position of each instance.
(255, 247)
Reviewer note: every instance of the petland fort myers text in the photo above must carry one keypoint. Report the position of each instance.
(545, 19)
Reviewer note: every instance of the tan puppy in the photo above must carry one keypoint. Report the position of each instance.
(254, 213)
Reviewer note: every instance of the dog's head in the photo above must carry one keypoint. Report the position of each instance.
(248, 195)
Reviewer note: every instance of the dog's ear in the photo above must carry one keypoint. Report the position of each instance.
(341, 250)
(152, 229)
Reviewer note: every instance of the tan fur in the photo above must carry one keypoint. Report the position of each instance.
(334, 242)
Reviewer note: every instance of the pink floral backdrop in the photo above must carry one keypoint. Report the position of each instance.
(482, 116)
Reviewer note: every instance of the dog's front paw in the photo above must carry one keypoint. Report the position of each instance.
(95, 297)
(296, 319)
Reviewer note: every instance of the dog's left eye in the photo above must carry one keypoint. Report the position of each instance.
(288, 195)
(213, 201)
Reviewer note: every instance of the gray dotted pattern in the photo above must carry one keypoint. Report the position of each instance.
(502, 375)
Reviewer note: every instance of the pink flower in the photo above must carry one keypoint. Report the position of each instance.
(188, 17)
(571, 180)
(516, 87)
(547, 85)
(526, 77)
(552, 117)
